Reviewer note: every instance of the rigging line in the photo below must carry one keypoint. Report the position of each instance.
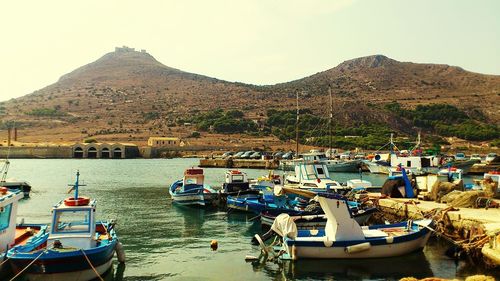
(33, 261)
(93, 268)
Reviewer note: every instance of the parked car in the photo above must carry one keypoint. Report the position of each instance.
(490, 157)
(256, 155)
(288, 155)
(227, 154)
(475, 157)
(238, 154)
(247, 154)
(460, 156)
(278, 155)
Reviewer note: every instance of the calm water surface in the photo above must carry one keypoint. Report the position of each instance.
(164, 241)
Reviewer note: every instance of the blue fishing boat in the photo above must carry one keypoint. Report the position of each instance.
(12, 235)
(344, 238)
(77, 248)
(191, 190)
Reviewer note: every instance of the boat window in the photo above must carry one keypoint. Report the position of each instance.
(72, 221)
(408, 163)
(310, 173)
(237, 178)
(5, 216)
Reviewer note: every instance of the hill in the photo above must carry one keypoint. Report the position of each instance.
(129, 95)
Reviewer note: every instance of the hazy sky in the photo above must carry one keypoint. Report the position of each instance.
(259, 42)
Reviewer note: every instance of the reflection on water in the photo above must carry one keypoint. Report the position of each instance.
(359, 269)
(164, 241)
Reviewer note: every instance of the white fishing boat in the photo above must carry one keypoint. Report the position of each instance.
(344, 238)
(310, 176)
(314, 156)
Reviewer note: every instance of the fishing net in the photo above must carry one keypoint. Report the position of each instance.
(463, 199)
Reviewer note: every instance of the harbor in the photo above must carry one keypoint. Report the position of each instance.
(172, 235)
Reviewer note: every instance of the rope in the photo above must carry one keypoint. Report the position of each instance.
(33, 261)
(87, 258)
(8, 258)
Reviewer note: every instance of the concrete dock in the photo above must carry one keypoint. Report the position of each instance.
(476, 231)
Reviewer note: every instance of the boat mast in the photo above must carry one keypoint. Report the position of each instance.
(297, 125)
(391, 144)
(76, 185)
(330, 121)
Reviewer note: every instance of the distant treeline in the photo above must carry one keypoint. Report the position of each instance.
(447, 120)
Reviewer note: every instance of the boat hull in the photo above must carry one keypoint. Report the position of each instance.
(66, 263)
(376, 168)
(82, 275)
(196, 199)
(345, 167)
(319, 248)
(246, 204)
(198, 196)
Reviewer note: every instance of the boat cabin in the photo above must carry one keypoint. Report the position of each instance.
(236, 176)
(313, 157)
(414, 162)
(311, 172)
(73, 224)
(193, 176)
(235, 181)
(8, 214)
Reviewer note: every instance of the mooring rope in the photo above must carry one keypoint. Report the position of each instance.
(90, 263)
(8, 258)
(33, 261)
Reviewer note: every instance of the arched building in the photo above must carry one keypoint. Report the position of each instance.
(105, 150)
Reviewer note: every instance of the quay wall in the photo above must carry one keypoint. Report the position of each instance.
(36, 152)
(238, 163)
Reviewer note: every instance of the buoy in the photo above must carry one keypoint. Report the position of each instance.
(3, 190)
(80, 201)
(120, 252)
(250, 258)
(358, 248)
(214, 245)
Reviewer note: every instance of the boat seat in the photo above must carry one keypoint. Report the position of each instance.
(374, 233)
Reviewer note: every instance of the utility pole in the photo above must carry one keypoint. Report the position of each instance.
(297, 125)
(330, 121)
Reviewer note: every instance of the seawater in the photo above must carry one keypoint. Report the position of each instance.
(164, 241)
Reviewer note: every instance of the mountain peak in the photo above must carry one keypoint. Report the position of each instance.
(373, 61)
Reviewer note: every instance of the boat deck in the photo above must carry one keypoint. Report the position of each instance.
(23, 234)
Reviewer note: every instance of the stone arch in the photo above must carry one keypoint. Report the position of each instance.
(117, 152)
(78, 152)
(91, 152)
(106, 152)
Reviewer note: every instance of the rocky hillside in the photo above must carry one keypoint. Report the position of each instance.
(128, 95)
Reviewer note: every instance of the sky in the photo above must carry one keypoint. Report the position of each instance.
(258, 42)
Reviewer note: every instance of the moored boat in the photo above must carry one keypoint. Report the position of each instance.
(12, 235)
(77, 248)
(344, 238)
(191, 190)
(13, 184)
(314, 177)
